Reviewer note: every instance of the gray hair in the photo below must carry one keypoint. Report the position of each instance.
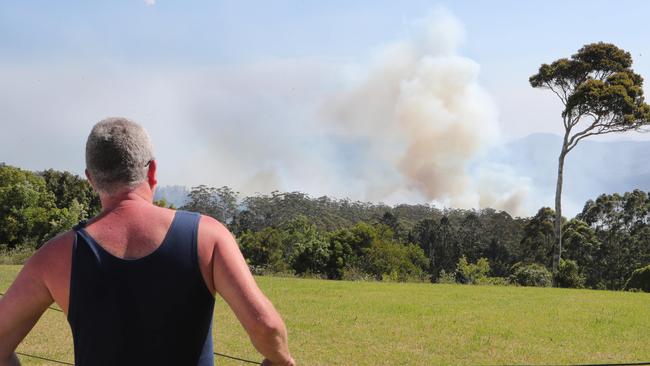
(118, 152)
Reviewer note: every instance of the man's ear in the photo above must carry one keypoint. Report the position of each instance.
(151, 174)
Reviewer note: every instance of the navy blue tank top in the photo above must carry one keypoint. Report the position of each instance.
(155, 310)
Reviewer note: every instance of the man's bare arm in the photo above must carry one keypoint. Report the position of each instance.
(21, 307)
(235, 283)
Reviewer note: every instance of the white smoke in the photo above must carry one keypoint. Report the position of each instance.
(426, 122)
(412, 125)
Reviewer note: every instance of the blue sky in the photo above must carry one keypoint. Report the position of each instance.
(202, 74)
(193, 33)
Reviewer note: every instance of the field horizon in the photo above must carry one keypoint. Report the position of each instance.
(375, 323)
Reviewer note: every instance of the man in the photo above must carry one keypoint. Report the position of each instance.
(137, 282)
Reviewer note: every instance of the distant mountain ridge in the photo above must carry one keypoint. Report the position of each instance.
(591, 169)
(177, 195)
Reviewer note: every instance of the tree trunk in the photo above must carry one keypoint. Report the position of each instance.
(558, 208)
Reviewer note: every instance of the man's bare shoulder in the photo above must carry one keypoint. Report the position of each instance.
(210, 227)
(50, 266)
(53, 257)
(56, 248)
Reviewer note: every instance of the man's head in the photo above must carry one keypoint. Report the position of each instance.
(119, 156)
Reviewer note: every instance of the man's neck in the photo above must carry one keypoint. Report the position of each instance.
(141, 194)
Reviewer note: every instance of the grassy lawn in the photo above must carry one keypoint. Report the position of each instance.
(365, 323)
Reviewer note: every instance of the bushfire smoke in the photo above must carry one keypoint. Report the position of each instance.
(411, 124)
(423, 117)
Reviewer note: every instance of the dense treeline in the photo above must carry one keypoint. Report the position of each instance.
(34, 207)
(293, 232)
(341, 239)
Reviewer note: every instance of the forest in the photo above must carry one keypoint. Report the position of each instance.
(291, 233)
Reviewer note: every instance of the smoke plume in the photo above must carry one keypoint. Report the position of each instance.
(425, 121)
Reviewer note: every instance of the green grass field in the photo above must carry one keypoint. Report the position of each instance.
(367, 323)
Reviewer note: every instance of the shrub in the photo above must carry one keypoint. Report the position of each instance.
(256, 270)
(269, 271)
(17, 255)
(282, 273)
(354, 273)
(447, 278)
(472, 273)
(310, 275)
(391, 260)
(393, 276)
(569, 275)
(531, 275)
(639, 280)
(264, 249)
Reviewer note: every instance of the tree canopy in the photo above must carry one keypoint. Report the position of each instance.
(598, 87)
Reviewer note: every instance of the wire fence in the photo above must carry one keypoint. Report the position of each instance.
(44, 359)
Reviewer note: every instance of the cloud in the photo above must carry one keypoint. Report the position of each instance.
(150, 2)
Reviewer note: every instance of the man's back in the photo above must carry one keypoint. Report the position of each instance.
(151, 309)
(133, 230)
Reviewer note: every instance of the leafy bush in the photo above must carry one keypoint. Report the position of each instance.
(472, 273)
(393, 276)
(391, 260)
(531, 275)
(354, 273)
(256, 270)
(569, 275)
(266, 270)
(310, 275)
(639, 280)
(264, 249)
(447, 278)
(17, 255)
